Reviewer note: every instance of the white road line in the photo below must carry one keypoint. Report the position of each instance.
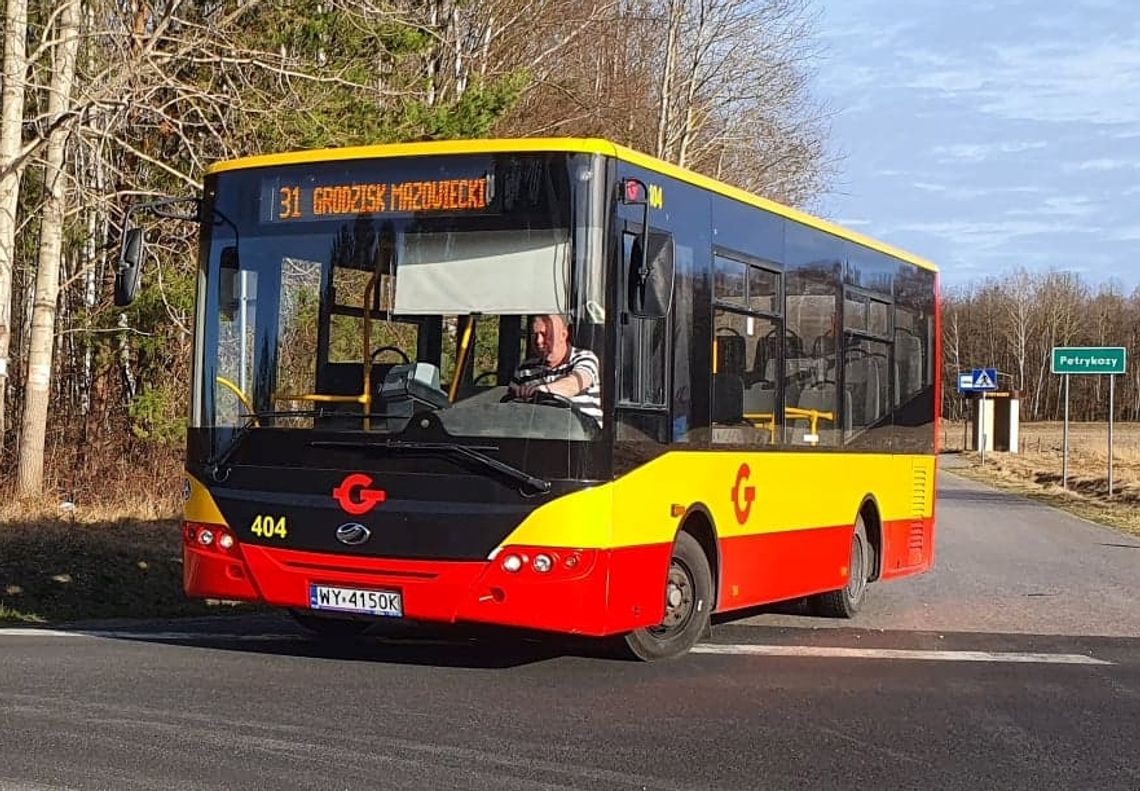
(156, 636)
(746, 649)
(836, 652)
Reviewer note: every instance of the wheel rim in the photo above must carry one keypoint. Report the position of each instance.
(680, 598)
(857, 579)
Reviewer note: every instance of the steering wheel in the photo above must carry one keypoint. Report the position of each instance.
(484, 375)
(381, 349)
(541, 397)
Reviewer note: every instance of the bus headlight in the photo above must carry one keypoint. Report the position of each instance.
(512, 563)
(542, 563)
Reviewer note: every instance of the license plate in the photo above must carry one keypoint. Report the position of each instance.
(371, 602)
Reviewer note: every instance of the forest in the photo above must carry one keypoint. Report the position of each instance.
(1012, 322)
(110, 102)
(106, 103)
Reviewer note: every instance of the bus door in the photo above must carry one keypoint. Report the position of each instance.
(644, 331)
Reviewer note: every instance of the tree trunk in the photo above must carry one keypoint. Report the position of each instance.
(664, 112)
(30, 469)
(11, 121)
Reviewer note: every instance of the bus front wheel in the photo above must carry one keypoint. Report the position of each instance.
(688, 598)
(847, 601)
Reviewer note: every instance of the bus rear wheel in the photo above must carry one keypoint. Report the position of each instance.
(688, 597)
(847, 601)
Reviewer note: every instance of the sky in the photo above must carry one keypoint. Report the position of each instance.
(988, 135)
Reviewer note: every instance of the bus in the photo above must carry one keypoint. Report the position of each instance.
(764, 427)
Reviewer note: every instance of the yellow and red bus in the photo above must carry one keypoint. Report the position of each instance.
(768, 387)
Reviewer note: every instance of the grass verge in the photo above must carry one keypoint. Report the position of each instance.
(55, 570)
(1086, 501)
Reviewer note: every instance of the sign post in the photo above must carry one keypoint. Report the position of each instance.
(979, 380)
(1111, 408)
(1065, 441)
(1106, 360)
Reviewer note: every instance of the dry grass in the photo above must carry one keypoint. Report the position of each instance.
(103, 542)
(1037, 470)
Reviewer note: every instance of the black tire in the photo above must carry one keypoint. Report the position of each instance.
(847, 601)
(330, 627)
(688, 602)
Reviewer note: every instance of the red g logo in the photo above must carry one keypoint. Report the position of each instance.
(742, 496)
(354, 495)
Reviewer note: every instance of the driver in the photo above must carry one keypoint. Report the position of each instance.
(559, 368)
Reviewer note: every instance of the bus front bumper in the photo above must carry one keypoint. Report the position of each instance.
(593, 592)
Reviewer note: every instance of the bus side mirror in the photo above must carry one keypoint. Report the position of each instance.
(130, 267)
(651, 281)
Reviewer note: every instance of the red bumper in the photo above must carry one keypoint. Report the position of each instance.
(587, 591)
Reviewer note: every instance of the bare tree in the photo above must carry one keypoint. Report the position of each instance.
(11, 171)
(29, 471)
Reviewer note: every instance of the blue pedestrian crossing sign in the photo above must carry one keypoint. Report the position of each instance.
(979, 380)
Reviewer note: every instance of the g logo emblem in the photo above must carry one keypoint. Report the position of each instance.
(742, 496)
(354, 495)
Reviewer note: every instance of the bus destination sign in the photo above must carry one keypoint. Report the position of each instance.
(306, 202)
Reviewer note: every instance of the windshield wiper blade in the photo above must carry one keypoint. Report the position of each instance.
(218, 464)
(472, 452)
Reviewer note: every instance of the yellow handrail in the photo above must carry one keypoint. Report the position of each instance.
(240, 394)
(461, 358)
(366, 353)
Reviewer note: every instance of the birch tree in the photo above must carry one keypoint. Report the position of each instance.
(29, 472)
(11, 171)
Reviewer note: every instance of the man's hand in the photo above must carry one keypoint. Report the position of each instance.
(524, 391)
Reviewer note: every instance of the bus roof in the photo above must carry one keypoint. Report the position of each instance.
(569, 145)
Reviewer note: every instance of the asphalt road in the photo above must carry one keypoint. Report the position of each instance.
(1015, 664)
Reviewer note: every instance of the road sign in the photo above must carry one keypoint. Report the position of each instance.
(979, 380)
(1110, 360)
(1089, 359)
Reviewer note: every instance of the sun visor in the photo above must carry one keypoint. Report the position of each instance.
(506, 272)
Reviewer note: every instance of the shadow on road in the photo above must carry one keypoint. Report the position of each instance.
(432, 646)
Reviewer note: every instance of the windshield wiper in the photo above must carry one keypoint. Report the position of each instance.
(466, 451)
(218, 464)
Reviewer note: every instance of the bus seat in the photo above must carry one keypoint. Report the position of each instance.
(820, 396)
(728, 399)
(731, 351)
(348, 378)
(760, 398)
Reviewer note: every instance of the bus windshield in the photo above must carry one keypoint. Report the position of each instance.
(358, 295)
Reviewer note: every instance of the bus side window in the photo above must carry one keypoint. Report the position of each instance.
(811, 394)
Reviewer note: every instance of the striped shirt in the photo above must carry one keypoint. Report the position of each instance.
(581, 361)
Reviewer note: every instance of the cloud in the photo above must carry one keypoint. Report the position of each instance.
(1102, 165)
(980, 235)
(1059, 206)
(972, 193)
(1130, 233)
(1061, 81)
(980, 152)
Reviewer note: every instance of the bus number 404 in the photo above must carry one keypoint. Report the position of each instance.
(269, 527)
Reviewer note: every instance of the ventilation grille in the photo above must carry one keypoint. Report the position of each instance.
(918, 503)
(916, 538)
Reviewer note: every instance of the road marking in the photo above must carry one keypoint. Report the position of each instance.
(156, 636)
(745, 649)
(836, 652)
